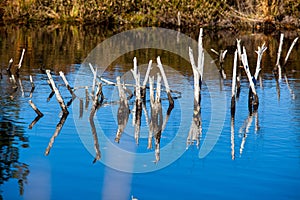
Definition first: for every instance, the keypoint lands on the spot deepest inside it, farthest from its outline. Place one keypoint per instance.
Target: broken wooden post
(97, 102)
(138, 101)
(260, 53)
(197, 80)
(8, 69)
(57, 93)
(143, 89)
(67, 84)
(233, 90)
(171, 101)
(200, 65)
(277, 68)
(20, 63)
(239, 69)
(252, 100)
(94, 71)
(221, 55)
(289, 52)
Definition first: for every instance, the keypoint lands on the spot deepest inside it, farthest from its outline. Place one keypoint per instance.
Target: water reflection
(55, 53)
(10, 166)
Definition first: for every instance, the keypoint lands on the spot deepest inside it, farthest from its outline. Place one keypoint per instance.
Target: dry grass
(152, 12)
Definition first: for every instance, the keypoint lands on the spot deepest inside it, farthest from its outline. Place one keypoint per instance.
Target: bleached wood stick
(233, 90)
(57, 93)
(67, 84)
(214, 51)
(260, 53)
(290, 50)
(279, 49)
(170, 98)
(36, 110)
(200, 53)
(147, 73)
(160, 66)
(94, 82)
(9, 66)
(246, 67)
(21, 59)
(136, 76)
(196, 78)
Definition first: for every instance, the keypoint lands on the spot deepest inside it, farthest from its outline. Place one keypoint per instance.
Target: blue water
(261, 160)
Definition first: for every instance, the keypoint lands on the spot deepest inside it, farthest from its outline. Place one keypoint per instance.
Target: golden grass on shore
(153, 12)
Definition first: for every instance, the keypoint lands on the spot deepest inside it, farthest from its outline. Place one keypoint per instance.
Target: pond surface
(256, 157)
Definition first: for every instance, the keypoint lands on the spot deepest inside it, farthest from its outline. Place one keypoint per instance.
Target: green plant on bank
(152, 12)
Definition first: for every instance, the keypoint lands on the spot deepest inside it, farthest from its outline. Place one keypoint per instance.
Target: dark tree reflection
(10, 167)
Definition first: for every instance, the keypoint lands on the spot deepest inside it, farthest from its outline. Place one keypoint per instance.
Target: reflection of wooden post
(57, 131)
(94, 132)
(239, 67)
(32, 86)
(123, 111)
(233, 91)
(232, 139)
(36, 110)
(57, 93)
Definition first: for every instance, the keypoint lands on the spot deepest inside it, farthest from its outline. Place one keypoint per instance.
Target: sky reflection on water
(253, 162)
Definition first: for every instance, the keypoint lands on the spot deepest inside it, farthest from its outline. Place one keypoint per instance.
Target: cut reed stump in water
(239, 68)
(57, 93)
(197, 70)
(143, 89)
(277, 69)
(67, 84)
(160, 66)
(221, 59)
(20, 63)
(253, 97)
(8, 69)
(138, 101)
(233, 91)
